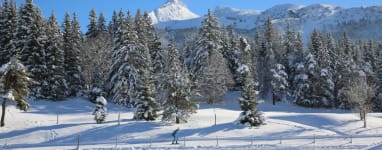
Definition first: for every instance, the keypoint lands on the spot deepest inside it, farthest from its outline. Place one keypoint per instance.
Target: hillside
(297, 127)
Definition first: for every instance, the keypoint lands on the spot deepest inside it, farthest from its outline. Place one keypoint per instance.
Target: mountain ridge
(304, 19)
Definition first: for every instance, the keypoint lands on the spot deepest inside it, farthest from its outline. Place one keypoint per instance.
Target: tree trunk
(3, 113)
(364, 118)
(361, 115)
(177, 121)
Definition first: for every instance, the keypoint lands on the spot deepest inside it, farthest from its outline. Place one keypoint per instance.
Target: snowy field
(287, 127)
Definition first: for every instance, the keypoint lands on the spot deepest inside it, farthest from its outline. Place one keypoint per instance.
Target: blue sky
(82, 7)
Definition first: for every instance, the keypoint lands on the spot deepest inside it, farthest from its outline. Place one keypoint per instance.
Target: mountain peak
(172, 10)
(173, 1)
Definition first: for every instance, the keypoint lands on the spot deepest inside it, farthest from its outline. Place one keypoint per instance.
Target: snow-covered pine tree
(146, 104)
(180, 103)
(248, 104)
(56, 83)
(8, 26)
(344, 71)
(101, 26)
(31, 41)
(331, 47)
(232, 54)
(72, 50)
(141, 29)
(96, 53)
(14, 85)
(209, 67)
(289, 60)
(246, 57)
(304, 89)
(93, 26)
(118, 84)
(100, 110)
(379, 74)
(301, 84)
(267, 54)
(279, 83)
(113, 25)
(324, 85)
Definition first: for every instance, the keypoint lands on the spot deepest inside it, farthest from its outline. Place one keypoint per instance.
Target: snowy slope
(298, 128)
(170, 11)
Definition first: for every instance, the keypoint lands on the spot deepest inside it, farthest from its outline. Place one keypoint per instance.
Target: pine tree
(248, 104)
(122, 77)
(290, 52)
(14, 85)
(146, 104)
(8, 26)
(93, 26)
(72, 48)
(301, 84)
(209, 67)
(324, 85)
(247, 57)
(378, 76)
(96, 52)
(100, 111)
(344, 71)
(279, 83)
(304, 89)
(180, 103)
(56, 83)
(113, 25)
(31, 42)
(379, 68)
(101, 26)
(232, 54)
(268, 56)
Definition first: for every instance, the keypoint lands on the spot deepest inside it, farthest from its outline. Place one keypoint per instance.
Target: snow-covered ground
(287, 127)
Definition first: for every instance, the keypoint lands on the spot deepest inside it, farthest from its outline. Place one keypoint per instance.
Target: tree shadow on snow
(40, 128)
(320, 122)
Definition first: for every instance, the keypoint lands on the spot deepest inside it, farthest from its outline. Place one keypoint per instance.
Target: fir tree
(180, 103)
(248, 104)
(268, 57)
(279, 83)
(324, 85)
(8, 26)
(344, 71)
(122, 77)
(31, 42)
(56, 83)
(14, 85)
(72, 48)
(232, 54)
(100, 111)
(209, 67)
(93, 26)
(301, 84)
(146, 105)
(101, 26)
(113, 25)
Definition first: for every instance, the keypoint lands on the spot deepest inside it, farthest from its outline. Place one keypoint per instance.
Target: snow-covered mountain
(301, 18)
(172, 10)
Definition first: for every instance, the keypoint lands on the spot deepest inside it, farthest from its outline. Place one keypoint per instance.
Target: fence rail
(122, 141)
